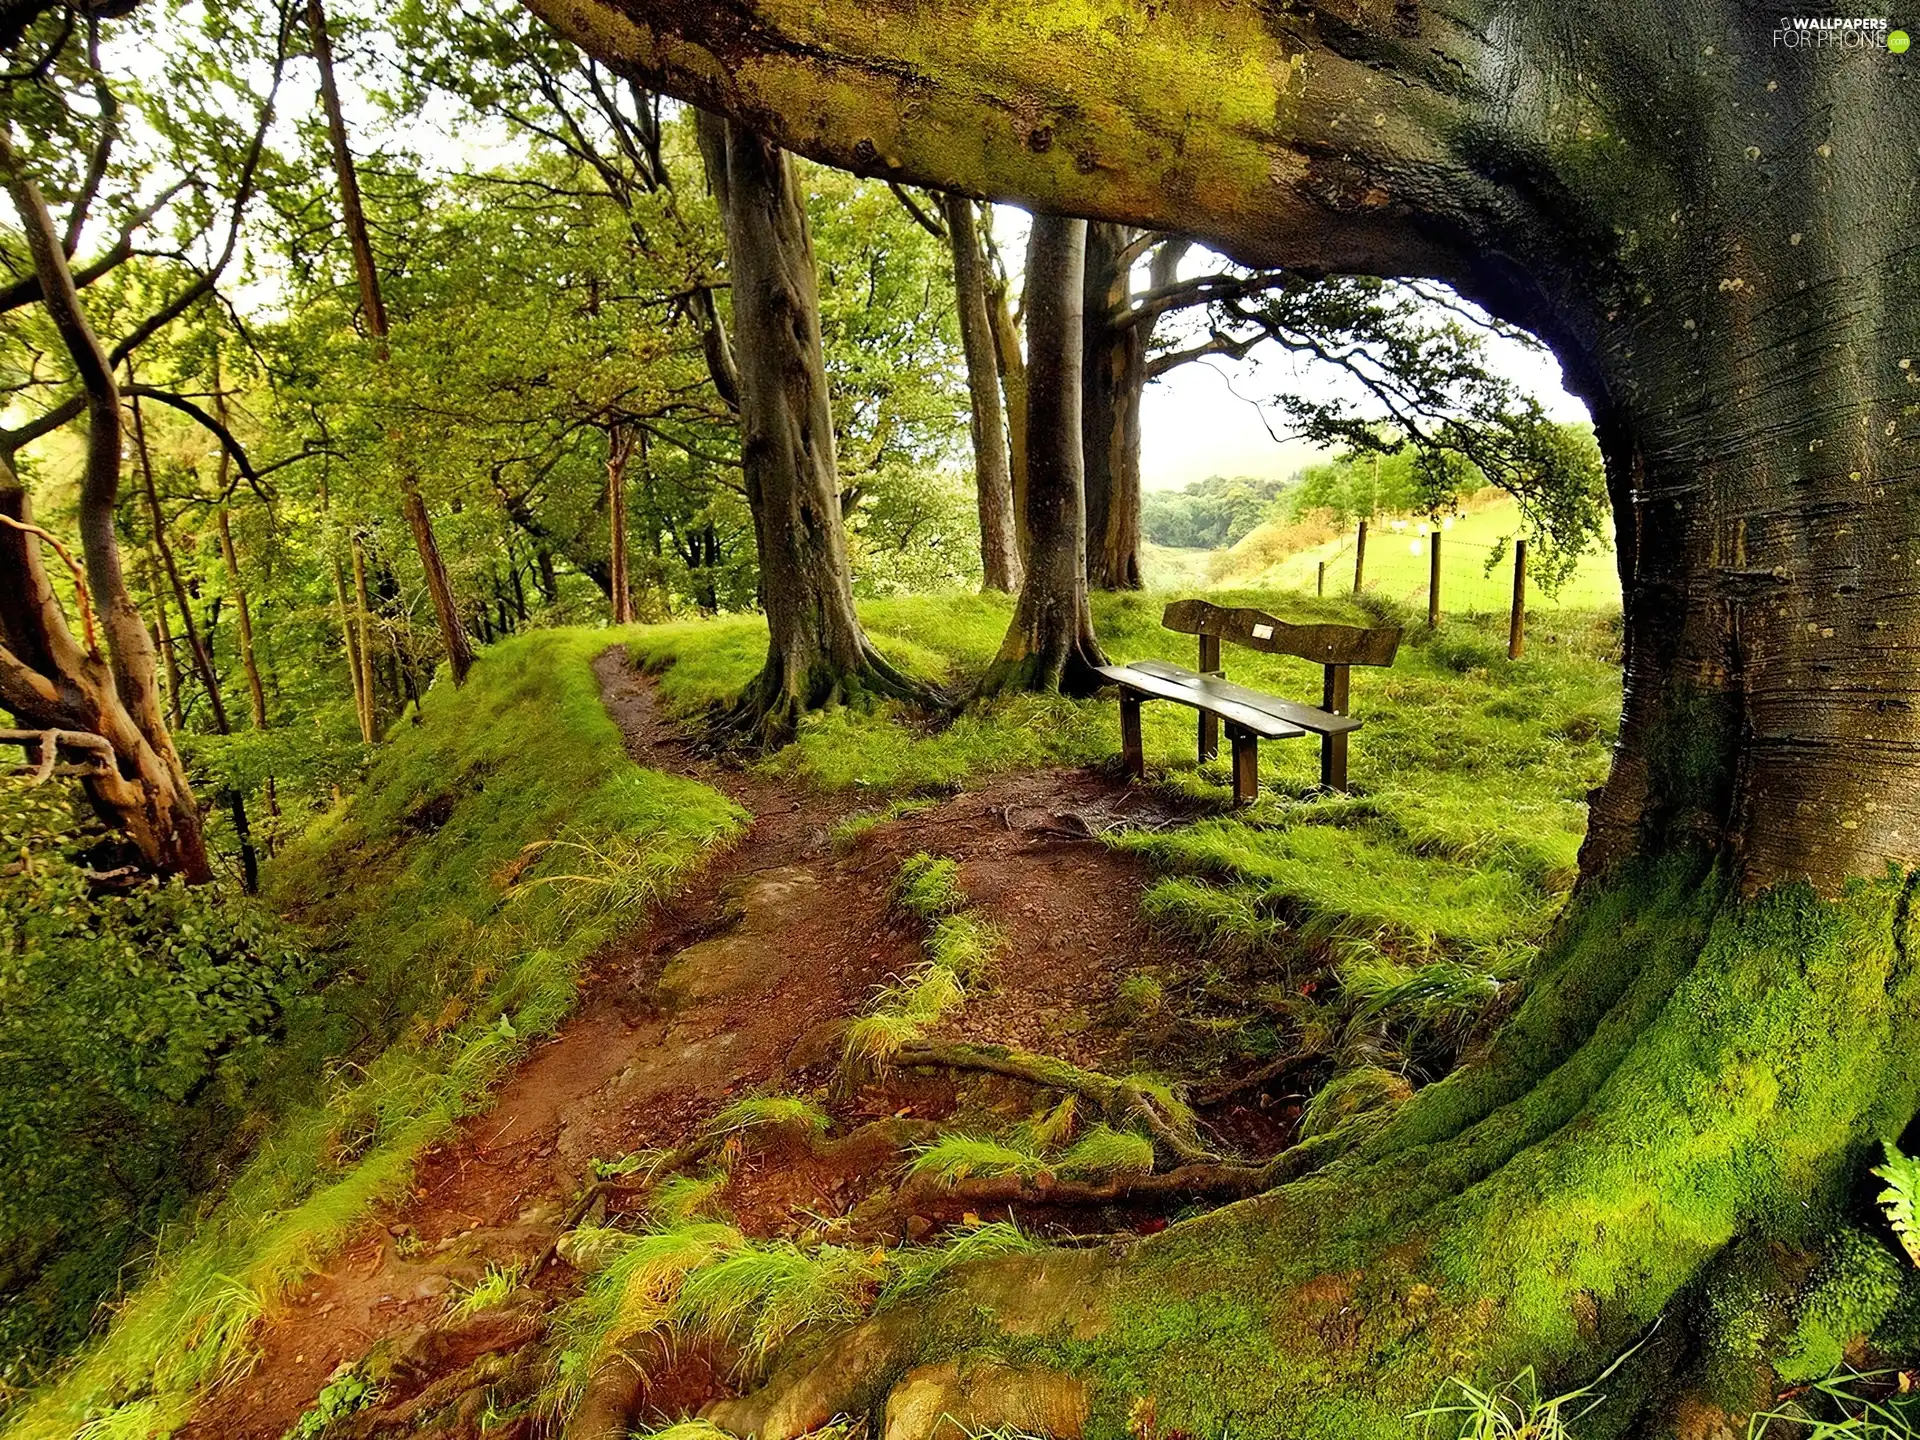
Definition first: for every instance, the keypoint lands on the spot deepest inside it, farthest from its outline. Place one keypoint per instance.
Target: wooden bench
(1251, 715)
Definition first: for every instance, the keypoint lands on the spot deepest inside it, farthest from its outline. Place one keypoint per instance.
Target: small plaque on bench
(1263, 632)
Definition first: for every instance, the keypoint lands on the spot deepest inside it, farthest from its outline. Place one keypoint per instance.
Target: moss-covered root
(1155, 1105)
(1732, 1084)
(911, 1364)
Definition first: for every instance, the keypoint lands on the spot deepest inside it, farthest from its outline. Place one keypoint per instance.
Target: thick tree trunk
(1050, 644)
(1113, 380)
(992, 472)
(47, 680)
(817, 653)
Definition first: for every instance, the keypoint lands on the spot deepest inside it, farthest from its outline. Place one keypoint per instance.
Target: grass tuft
(758, 1296)
(921, 1267)
(1367, 1090)
(928, 886)
(953, 1158)
(1104, 1152)
(492, 1290)
(763, 1112)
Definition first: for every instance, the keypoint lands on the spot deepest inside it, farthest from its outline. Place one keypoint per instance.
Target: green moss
(1852, 1292)
(1689, 1070)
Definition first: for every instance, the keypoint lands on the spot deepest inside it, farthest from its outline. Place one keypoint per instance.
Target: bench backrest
(1331, 645)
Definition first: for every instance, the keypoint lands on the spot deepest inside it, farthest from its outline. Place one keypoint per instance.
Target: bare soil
(739, 983)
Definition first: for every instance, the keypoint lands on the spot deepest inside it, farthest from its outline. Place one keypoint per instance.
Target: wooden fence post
(1320, 583)
(1359, 557)
(1517, 626)
(1433, 581)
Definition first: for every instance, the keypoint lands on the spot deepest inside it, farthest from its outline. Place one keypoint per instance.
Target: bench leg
(1333, 761)
(1209, 737)
(1132, 751)
(1246, 765)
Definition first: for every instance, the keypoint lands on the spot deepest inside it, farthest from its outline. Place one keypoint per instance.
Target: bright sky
(1197, 421)
(1215, 417)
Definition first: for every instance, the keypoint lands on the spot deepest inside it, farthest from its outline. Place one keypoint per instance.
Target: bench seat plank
(1308, 717)
(1234, 712)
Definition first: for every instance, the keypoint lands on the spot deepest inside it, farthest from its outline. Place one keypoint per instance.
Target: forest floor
(741, 984)
(620, 1049)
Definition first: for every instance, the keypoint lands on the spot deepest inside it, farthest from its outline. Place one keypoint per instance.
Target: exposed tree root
(1197, 1181)
(767, 713)
(1286, 1067)
(1119, 1099)
(954, 1398)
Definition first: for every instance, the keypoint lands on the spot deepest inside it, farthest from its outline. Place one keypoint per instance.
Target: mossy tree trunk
(1051, 645)
(94, 697)
(1714, 232)
(817, 653)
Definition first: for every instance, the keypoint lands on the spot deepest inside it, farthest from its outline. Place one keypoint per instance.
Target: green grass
(929, 887)
(761, 1112)
(455, 935)
(953, 1158)
(1396, 572)
(492, 1290)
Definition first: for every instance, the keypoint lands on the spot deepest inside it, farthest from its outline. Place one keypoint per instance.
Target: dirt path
(735, 984)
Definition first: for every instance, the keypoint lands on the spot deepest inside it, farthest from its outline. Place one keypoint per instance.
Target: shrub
(131, 1024)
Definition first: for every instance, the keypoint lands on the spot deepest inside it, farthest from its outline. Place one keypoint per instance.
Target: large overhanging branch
(1286, 137)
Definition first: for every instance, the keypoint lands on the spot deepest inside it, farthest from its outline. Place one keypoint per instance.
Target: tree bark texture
(1050, 645)
(817, 653)
(1710, 229)
(992, 467)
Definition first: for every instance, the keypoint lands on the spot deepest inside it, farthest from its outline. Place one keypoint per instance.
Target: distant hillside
(1288, 554)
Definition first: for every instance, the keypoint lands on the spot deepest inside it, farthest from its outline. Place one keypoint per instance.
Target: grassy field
(1470, 776)
(1397, 566)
